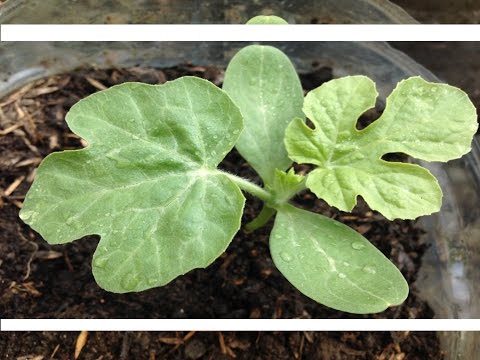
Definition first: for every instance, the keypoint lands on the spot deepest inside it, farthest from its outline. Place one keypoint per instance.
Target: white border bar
(12, 32)
(240, 325)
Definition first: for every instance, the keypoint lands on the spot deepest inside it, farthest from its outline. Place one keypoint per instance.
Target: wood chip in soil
(221, 346)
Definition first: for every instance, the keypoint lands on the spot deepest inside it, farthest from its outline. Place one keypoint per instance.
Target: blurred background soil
(442, 11)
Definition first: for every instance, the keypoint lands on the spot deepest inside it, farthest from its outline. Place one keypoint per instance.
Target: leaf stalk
(261, 219)
(251, 188)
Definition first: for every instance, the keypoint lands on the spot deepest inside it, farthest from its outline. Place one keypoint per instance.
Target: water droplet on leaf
(286, 256)
(100, 261)
(29, 215)
(114, 243)
(370, 269)
(358, 245)
(357, 157)
(129, 282)
(342, 275)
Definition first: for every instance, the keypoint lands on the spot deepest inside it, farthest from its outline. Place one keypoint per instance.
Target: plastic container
(450, 272)
(199, 12)
(443, 11)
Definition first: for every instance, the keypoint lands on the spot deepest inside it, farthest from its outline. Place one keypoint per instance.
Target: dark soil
(221, 346)
(38, 280)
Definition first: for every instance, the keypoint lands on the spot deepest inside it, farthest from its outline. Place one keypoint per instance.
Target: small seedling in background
(266, 20)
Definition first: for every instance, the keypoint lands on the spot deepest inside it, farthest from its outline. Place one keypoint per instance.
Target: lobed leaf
(262, 81)
(434, 122)
(147, 183)
(333, 264)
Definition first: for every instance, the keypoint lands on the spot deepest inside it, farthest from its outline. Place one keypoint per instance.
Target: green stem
(262, 218)
(251, 188)
(271, 201)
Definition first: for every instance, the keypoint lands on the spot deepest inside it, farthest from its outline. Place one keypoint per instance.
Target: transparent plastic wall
(198, 11)
(450, 272)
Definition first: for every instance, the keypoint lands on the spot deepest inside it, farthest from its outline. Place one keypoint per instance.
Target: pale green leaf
(147, 183)
(262, 81)
(266, 20)
(434, 122)
(333, 264)
(286, 180)
(285, 184)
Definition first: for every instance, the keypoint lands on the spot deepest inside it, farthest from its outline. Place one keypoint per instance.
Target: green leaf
(266, 20)
(147, 183)
(286, 184)
(285, 180)
(434, 122)
(262, 81)
(333, 264)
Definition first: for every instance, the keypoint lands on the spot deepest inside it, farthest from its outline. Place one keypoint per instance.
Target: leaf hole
(368, 117)
(395, 157)
(310, 124)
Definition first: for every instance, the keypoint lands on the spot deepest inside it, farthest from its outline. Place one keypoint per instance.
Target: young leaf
(266, 20)
(147, 183)
(286, 184)
(262, 81)
(333, 264)
(434, 122)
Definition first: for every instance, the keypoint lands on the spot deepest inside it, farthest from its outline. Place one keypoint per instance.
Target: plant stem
(262, 218)
(250, 187)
